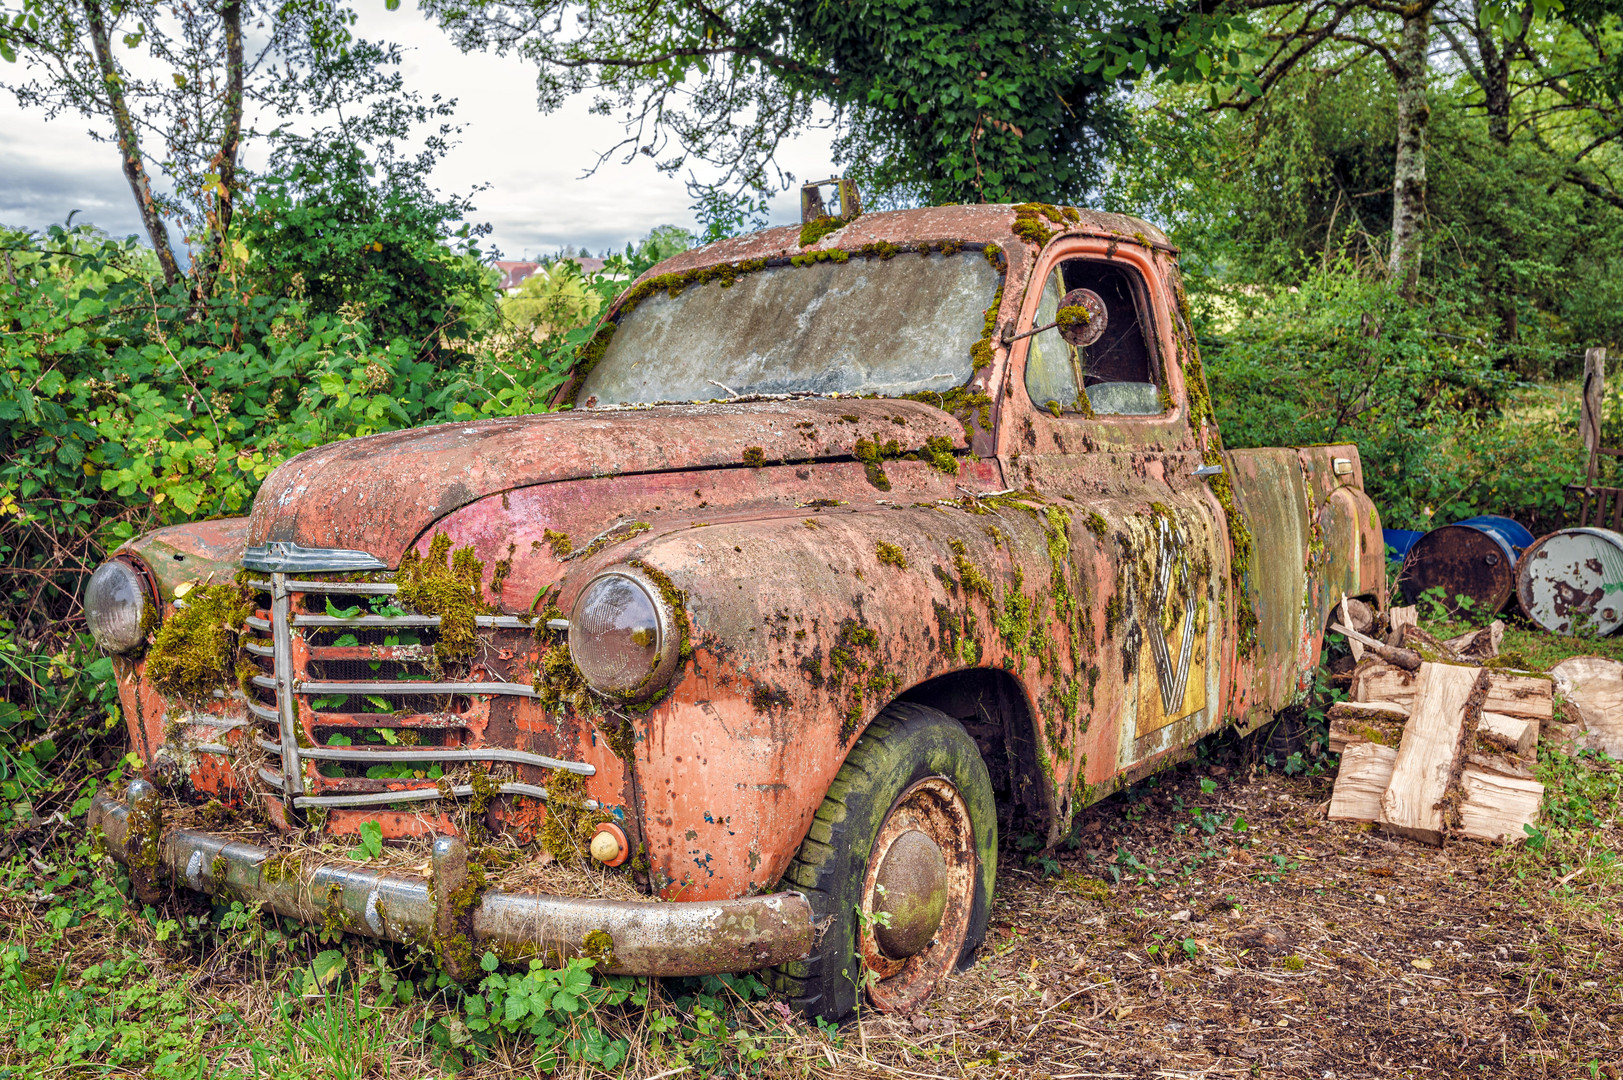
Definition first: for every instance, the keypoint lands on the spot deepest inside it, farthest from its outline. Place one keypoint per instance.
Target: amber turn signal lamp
(609, 845)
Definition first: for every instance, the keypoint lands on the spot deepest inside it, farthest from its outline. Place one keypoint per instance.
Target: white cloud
(538, 198)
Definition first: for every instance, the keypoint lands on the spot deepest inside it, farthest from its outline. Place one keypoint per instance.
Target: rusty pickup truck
(845, 541)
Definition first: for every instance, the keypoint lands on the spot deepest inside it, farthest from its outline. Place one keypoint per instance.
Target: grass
(1208, 920)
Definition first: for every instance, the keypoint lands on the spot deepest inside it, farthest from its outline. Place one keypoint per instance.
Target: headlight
(621, 636)
(114, 602)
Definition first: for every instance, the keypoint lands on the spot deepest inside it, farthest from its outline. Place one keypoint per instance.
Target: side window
(1113, 362)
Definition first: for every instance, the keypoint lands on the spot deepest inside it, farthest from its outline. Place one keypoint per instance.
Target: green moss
(891, 555)
(588, 356)
(566, 832)
(994, 255)
(143, 839)
(193, 653)
(558, 683)
(447, 584)
(1072, 314)
(617, 535)
(872, 454)
(1057, 532)
(677, 601)
(1097, 525)
(1028, 223)
(280, 868)
(754, 457)
(560, 543)
(938, 451)
(970, 407)
(817, 228)
(499, 572)
(970, 576)
(455, 950)
(879, 249)
(813, 667)
(765, 697)
(599, 945)
(620, 737)
(981, 352)
(811, 257)
(218, 867)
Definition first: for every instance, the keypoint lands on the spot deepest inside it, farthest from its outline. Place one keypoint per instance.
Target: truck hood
(380, 493)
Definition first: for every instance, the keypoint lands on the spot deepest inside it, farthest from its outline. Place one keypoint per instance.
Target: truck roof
(984, 223)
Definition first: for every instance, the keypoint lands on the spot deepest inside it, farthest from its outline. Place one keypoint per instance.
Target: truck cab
(846, 541)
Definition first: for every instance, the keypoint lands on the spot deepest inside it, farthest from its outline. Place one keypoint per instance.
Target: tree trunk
(225, 160)
(129, 144)
(1409, 180)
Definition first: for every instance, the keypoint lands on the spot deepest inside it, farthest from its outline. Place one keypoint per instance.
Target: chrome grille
(305, 673)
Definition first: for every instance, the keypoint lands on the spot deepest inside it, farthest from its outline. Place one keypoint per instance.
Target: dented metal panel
(1071, 582)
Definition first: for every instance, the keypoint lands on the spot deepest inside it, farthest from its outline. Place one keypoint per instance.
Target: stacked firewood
(1433, 744)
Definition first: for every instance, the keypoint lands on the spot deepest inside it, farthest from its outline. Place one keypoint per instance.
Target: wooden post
(1589, 415)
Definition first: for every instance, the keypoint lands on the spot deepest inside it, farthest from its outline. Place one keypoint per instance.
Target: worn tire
(905, 747)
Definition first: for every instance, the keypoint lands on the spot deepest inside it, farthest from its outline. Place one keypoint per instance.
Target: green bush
(1418, 387)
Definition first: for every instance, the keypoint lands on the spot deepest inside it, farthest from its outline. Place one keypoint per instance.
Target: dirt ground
(1298, 947)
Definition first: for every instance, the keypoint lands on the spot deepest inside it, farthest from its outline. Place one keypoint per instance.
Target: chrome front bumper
(629, 938)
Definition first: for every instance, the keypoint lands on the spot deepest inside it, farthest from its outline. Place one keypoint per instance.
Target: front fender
(803, 629)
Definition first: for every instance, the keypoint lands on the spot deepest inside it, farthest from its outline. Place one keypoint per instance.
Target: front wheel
(898, 866)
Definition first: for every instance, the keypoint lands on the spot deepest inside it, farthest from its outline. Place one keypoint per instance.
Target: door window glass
(1118, 370)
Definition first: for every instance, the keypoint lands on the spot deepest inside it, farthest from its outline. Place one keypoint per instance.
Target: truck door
(1098, 422)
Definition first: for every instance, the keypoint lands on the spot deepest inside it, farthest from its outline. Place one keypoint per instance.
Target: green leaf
(489, 961)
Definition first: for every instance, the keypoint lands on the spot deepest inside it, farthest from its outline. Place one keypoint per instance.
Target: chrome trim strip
(433, 753)
(378, 798)
(503, 622)
(262, 625)
(259, 650)
(500, 689)
(281, 556)
(274, 779)
(281, 607)
(263, 712)
(211, 748)
(376, 588)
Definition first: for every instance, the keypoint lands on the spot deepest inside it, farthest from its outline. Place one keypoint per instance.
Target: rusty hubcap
(912, 885)
(918, 894)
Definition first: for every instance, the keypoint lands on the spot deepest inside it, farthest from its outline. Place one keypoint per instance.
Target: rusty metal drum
(1572, 581)
(1475, 558)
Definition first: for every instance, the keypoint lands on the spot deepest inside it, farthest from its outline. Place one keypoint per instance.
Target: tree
(962, 101)
(169, 82)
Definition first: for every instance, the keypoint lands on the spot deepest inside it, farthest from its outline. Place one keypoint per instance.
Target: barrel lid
(1572, 580)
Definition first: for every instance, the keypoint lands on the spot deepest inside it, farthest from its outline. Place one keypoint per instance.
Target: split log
(1403, 658)
(1531, 696)
(1447, 701)
(1396, 619)
(1365, 773)
(1497, 803)
(1593, 687)
(1517, 734)
(1376, 680)
(1480, 644)
(1362, 616)
(1426, 645)
(1355, 722)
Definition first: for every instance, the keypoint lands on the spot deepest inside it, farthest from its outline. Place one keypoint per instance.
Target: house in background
(514, 273)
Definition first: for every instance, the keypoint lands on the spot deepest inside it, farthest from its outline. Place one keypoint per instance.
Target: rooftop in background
(514, 273)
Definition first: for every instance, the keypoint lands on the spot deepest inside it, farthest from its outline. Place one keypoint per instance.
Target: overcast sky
(537, 199)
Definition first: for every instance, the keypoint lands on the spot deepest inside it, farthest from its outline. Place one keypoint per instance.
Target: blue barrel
(1399, 541)
(1474, 559)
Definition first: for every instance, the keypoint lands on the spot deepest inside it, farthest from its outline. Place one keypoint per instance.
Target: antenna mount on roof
(813, 207)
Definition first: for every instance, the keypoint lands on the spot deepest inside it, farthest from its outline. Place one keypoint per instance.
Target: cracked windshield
(868, 326)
